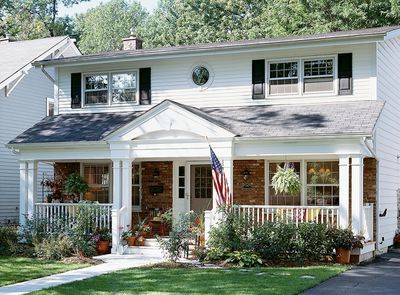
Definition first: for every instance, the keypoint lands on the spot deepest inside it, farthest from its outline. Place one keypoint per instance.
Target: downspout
(369, 148)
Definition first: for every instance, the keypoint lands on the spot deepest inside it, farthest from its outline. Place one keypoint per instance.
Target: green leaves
(76, 185)
(286, 181)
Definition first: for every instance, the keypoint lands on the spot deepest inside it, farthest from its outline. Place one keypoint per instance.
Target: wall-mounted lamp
(156, 173)
(246, 174)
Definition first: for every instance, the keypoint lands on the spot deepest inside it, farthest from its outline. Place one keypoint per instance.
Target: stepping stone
(307, 277)
(245, 270)
(394, 260)
(260, 274)
(282, 274)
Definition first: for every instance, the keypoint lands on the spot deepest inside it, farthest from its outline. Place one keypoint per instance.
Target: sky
(84, 6)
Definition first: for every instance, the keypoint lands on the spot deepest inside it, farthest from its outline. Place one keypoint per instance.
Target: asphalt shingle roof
(14, 56)
(347, 118)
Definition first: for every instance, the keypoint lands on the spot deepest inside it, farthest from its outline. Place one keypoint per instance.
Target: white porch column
(117, 184)
(357, 183)
(228, 169)
(344, 191)
(127, 190)
(28, 191)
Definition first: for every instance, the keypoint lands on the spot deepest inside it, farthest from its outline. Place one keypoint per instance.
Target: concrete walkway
(112, 263)
(379, 277)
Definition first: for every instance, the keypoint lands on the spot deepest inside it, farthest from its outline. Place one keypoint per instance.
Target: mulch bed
(80, 259)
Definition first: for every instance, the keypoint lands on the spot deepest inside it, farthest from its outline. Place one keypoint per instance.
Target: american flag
(224, 196)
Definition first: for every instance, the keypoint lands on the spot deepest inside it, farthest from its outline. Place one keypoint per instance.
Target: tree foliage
(31, 19)
(182, 22)
(103, 28)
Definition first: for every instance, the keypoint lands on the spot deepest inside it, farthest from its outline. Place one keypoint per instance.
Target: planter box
(367, 253)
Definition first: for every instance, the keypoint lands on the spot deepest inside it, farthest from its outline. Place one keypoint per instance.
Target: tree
(103, 28)
(31, 19)
(181, 22)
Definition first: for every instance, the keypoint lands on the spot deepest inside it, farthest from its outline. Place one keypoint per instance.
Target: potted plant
(396, 240)
(143, 228)
(102, 237)
(130, 236)
(140, 241)
(157, 217)
(167, 219)
(343, 240)
(76, 185)
(286, 181)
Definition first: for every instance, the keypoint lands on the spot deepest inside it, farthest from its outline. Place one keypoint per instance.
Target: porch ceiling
(263, 121)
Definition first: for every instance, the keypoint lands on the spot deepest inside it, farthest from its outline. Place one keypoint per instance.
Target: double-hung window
(283, 78)
(318, 75)
(110, 88)
(124, 87)
(96, 89)
(97, 177)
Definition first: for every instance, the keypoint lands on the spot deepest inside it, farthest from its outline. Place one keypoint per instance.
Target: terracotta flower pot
(140, 242)
(131, 241)
(343, 255)
(103, 247)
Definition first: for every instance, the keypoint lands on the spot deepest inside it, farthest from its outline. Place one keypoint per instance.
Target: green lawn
(19, 269)
(201, 281)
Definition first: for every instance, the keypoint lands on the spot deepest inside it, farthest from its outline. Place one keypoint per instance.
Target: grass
(202, 281)
(18, 269)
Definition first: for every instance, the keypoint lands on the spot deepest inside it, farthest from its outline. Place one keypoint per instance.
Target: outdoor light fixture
(246, 174)
(156, 173)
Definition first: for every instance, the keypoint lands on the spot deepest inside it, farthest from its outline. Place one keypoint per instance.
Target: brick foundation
(252, 190)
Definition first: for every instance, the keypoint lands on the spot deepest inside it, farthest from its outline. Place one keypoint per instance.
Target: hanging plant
(286, 181)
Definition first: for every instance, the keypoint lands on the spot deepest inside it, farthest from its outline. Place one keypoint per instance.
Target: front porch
(129, 190)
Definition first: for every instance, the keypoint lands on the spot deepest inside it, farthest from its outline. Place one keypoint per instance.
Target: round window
(200, 75)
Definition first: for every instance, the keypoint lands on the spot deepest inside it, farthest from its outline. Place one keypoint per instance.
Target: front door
(200, 188)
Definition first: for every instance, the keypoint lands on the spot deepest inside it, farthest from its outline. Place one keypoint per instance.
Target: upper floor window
(283, 78)
(302, 76)
(50, 107)
(318, 75)
(108, 88)
(124, 87)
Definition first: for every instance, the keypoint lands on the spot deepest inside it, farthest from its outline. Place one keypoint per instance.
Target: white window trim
(138, 208)
(99, 162)
(300, 77)
(109, 88)
(303, 177)
(334, 76)
(50, 100)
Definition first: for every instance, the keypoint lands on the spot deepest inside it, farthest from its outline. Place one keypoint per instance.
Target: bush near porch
(239, 240)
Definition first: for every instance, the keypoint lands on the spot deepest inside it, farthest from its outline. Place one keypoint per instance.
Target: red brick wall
(252, 190)
(370, 185)
(162, 200)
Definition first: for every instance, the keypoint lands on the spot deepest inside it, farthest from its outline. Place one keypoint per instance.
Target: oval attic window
(200, 75)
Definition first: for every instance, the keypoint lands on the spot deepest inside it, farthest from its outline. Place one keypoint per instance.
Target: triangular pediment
(170, 120)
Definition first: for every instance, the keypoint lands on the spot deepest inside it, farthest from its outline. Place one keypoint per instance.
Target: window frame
(268, 78)
(110, 175)
(300, 76)
(137, 208)
(334, 75)
(109, 88)
(303, 177)
(49, 101)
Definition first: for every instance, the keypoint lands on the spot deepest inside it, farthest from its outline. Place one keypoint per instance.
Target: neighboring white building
(26, 97)
(135, 124)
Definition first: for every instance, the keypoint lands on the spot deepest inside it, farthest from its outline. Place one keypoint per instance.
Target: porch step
(148, 251)
(153, 242)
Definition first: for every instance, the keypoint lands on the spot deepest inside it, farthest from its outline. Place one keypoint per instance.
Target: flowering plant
(129, 232)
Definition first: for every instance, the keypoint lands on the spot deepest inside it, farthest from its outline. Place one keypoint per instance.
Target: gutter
(369, 148)
(305, 137)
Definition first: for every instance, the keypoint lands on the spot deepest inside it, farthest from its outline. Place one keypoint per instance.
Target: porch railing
(290, 214)
(64, 215)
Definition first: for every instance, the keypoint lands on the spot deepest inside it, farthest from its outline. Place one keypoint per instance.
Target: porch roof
(262, 121)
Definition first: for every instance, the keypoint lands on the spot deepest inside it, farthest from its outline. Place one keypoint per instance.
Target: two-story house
(26, 96)
(137, 124)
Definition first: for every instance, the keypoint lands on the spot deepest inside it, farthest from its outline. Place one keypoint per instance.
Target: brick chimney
(8, 38)
(132, 43)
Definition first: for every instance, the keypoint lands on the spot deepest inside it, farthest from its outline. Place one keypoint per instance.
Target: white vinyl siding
(231, 85)
(388, 138)
(25, 106)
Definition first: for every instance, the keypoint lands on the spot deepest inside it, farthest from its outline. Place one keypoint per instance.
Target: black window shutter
(76, 90)
(258, 78)
(345, 73)
(145, 86)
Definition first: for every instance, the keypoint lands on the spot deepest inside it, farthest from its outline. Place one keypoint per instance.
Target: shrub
(53, 247)
(8, 238)
(215, 254)
(344, 238)
(178, 240)
(313, 241)
(231, 233)
(245, 258)
(275, 241)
